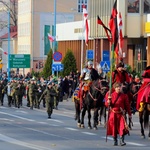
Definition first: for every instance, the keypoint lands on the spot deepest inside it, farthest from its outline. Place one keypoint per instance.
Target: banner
(47, 45)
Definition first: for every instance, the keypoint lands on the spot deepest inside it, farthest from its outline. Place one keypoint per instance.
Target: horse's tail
(146, 117)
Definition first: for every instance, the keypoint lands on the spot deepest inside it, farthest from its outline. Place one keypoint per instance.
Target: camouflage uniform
(49, 94)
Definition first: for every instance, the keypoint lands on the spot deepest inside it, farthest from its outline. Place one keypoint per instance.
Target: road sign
(90, 54)
(19, 60)
(106, 55)
(57, 67)
(57, 56)
(105, 65)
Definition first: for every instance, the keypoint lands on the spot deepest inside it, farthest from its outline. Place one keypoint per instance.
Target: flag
(4, 52)
(99, 21)
(86, 26)
(114, 26)
(51, 38)
(120, 36)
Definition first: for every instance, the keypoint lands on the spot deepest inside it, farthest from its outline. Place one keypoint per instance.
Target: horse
(93, 101)
(144, 118)
(103, 109)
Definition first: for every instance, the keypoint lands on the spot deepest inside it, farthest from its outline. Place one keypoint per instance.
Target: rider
(120, 75)
(143, 94)
(87, 76)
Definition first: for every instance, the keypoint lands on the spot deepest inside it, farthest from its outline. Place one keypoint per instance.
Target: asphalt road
(25, 129)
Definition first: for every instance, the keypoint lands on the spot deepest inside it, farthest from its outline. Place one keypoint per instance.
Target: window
(80, 3)
(133, 6)
(146, 6)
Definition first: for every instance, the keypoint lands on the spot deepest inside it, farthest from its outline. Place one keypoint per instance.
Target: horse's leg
(78, 115)
(83, 111)
(95, 118)
(100, 115)
(141, 123)
(149, 132)
(89, 118)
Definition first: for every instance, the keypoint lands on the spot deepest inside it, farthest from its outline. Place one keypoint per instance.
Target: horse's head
(104, 87)
(125, 88)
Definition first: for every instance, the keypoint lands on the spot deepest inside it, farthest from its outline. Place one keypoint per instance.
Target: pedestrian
(118, 104)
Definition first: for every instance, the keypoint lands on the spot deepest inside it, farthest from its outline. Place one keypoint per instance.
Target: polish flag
(86, 26)
(51, 38)
(4, 51)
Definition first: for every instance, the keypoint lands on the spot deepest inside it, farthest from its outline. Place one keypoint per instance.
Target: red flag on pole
(4, 51)
(51, 38)
(86, 26)
(114, 26)
(99, 21)
(120, 36)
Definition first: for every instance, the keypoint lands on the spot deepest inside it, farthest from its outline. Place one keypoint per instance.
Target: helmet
(90, 63)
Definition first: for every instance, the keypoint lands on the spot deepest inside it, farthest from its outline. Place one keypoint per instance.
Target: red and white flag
(86, 26)
(120, 40)
(4, 51)
(51, 38)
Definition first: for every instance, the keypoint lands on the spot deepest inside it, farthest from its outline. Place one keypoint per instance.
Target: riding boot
(122, 143)
(115, 141)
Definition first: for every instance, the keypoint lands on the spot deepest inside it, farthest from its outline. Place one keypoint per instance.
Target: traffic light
(40, 64)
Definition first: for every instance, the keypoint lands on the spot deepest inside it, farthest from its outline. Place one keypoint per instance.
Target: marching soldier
(43, 89)
(32, 89)
(1, 93)
(7, 90)
(57, 97)
(49, 94)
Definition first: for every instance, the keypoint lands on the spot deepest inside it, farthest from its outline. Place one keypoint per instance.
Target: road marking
(24, 144)
(6, 119)
(56, 120)
(88, 133)
(130, 143)
(21, 111)
(42, 122)
(72, 129)
(17, 117)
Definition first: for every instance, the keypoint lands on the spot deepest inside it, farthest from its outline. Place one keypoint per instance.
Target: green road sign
(19, 60)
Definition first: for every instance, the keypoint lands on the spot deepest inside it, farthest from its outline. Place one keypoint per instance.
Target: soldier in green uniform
(49, 94)
(38, 94)
(32, 89)
(1, 93)
(57, 97)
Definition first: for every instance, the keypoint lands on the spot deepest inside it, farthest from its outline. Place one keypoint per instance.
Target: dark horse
(93, 101)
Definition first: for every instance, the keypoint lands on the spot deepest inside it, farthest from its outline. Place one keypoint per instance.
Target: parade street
(25, 129)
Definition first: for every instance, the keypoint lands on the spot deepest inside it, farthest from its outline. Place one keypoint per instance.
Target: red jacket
(120, 77)
(144, 93)
(116, 123)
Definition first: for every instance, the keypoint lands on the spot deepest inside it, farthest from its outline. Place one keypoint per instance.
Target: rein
(94, 99)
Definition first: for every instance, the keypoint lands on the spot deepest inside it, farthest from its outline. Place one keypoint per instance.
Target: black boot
(115, 141)
(122, 143)
(49, 116)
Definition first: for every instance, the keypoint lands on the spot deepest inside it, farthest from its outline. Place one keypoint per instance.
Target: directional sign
(19, 61)
(90, 54)
(106, 55)
(57, 67)
(57, 56)
(105, 65)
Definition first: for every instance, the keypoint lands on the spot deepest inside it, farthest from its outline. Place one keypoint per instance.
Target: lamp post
(8, 45)
(54, 43)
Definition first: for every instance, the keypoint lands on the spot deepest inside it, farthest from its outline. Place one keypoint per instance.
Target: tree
(12, 7)
(47, 70)
(69, 62)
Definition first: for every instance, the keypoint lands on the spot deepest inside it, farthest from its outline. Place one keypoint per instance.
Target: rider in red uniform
(144, 94)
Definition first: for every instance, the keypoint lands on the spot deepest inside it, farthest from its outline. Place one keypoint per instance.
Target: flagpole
(82, 44)
(54, 43)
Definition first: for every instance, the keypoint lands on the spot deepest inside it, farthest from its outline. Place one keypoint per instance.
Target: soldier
(32, 89)
(43, 89)
(49, 94)
(57, 96)
(7, 90)
(38, 94)
(119, 104)
(143, 94)
(120, 75)
(87, 76)
(1, 93)
(18, 94)
(27, 93)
